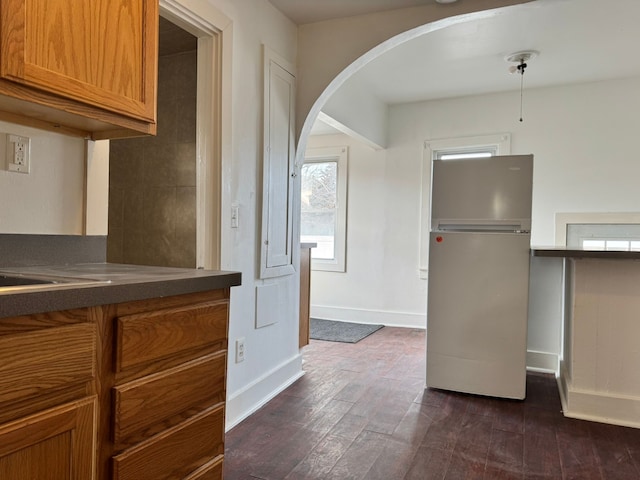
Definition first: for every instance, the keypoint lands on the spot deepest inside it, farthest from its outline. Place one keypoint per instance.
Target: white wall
(365, 114)
(97, 185)
(583, 138)
(50, 199)
(381, 283)
(272, 358)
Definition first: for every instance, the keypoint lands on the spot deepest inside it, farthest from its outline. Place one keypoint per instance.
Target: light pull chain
(521, 68)
(521, 94)
(520, 59)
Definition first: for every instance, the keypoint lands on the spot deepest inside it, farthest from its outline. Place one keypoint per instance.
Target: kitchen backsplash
(29, 250)
(152, 180)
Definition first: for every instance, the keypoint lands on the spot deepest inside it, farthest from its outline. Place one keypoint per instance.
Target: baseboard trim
(388, 318)
(563, 388)
(543, 362)
(253, 396)
(597, 407)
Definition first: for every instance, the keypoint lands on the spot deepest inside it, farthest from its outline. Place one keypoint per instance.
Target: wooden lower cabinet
(57, 444)
(305, 293)
(48, 405)
(167, 388)
(131, 391)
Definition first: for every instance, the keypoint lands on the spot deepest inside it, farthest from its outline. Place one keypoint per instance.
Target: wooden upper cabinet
(97, 53)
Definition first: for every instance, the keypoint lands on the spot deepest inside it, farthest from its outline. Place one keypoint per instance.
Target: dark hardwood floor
(361, 412)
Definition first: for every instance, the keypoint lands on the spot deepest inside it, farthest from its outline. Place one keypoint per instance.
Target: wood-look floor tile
(506, 451)
(503, 473)
(390, 411)
(329, 416)
(350, 426)
(510, 417)
(443, 433)
(321, 459)
(354, 391)
(428, 464)
(394, 461)
(474, 438)
(356, 414)
(462, 468)
(576, 451)
(541, 455)
(583, 472)
(414, 425)
(612, 451)
(359, 457)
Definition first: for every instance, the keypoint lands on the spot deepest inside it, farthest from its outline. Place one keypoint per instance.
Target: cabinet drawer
(43, 361)
(146, 337)
(210, 471)
(147, 405)
(174, 453)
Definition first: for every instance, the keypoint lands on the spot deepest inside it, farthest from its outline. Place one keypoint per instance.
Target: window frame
(341, 156)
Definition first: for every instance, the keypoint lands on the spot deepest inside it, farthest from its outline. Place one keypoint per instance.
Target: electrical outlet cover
(17, 153)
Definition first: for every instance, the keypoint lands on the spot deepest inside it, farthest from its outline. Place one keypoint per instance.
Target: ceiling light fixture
(521, 59)
(446, 1)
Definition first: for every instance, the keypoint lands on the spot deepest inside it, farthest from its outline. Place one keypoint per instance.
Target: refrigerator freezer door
(491, 190)
(477, 313)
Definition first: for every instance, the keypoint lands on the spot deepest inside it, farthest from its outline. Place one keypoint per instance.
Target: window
(323, 212)
(459, 153)
(612, 236)
(606, 244)
(451, 149)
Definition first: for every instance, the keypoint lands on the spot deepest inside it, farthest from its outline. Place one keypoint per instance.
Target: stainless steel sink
(14, 282)
(11, 281)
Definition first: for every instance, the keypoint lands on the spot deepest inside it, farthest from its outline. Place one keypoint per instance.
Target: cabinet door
(278, 167)
(99, 52)
(58, 444)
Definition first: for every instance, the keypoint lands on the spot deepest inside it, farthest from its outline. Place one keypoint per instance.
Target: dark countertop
(572, 252)
(106, 283)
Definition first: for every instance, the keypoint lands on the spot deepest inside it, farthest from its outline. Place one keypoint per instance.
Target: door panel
(477, 312)
(496, 189)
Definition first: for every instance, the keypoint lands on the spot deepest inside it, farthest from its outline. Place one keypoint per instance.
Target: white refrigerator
(478, 287)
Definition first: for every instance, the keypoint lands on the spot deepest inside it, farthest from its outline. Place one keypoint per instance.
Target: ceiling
(309, 11)
(578, 40)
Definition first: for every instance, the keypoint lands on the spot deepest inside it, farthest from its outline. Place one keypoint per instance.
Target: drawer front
(176, 452)
(42, 361)
(146, 337)
(146, 406)
(210, 471)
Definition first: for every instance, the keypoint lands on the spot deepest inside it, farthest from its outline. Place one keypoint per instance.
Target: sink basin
(12, 282)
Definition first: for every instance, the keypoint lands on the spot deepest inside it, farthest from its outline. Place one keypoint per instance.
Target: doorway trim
(213, 30)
